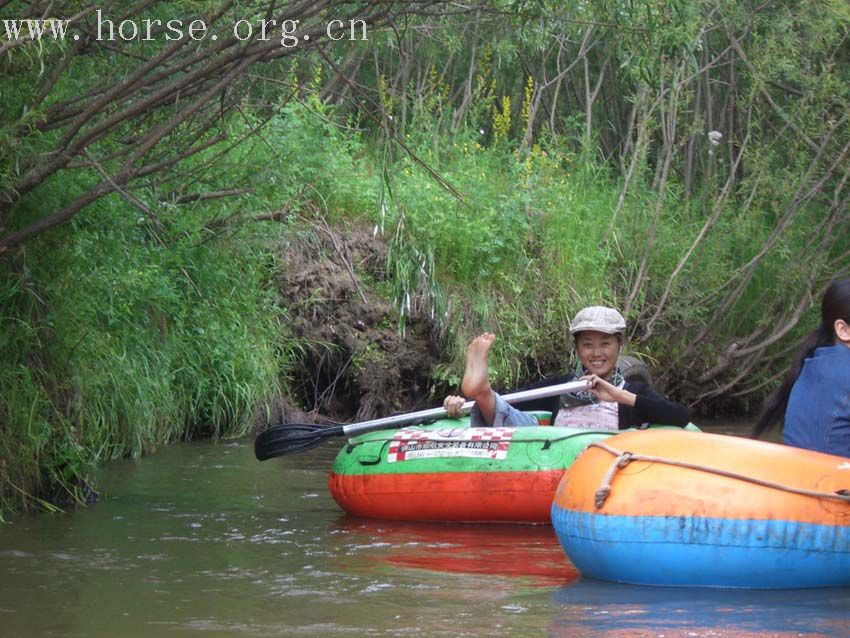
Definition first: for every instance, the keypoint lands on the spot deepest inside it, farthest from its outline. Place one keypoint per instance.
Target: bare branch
(201, 197)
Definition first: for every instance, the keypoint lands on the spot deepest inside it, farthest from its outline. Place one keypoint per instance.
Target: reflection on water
(593, 608)
(202, 540)
(531, 552)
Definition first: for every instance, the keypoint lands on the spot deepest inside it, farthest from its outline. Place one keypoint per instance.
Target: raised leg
(476, 376)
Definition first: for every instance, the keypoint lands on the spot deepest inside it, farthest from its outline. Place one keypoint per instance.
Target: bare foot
(476, 377)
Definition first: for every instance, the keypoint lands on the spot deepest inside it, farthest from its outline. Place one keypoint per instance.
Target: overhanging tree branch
(141, 101)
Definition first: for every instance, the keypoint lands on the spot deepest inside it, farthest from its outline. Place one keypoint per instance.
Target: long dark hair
(835, 306)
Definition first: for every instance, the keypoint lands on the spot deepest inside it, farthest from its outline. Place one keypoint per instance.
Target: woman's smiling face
(598, 352)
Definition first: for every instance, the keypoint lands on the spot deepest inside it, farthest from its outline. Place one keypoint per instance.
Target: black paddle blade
(292, 438)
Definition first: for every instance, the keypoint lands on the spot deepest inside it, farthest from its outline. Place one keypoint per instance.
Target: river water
(202, 540)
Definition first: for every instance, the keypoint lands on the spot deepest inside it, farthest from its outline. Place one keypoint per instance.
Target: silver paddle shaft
(436, 413)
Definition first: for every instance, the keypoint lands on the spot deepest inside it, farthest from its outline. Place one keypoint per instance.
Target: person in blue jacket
(814, 397)
(610, 403)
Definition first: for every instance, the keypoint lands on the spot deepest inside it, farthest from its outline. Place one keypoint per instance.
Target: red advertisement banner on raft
(481, 443)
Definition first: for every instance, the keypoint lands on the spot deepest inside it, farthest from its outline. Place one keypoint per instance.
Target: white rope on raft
(624, 458)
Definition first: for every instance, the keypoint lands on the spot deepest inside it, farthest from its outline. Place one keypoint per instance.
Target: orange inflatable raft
(680, 508)
(447, 471)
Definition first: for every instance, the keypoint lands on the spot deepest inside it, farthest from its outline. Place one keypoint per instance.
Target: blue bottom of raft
(694, 551)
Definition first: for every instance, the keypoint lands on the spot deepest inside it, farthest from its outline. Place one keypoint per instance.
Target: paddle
(292, 438)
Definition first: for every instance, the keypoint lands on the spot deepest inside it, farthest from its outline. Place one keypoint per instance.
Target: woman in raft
(610, 403)
(814, 397)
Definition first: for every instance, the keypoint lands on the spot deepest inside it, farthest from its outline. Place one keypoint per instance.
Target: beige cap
(599, 318)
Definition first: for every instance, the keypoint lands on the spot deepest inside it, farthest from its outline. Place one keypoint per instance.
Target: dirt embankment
(355, 364)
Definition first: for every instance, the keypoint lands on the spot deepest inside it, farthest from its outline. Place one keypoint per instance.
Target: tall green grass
(121, 333)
